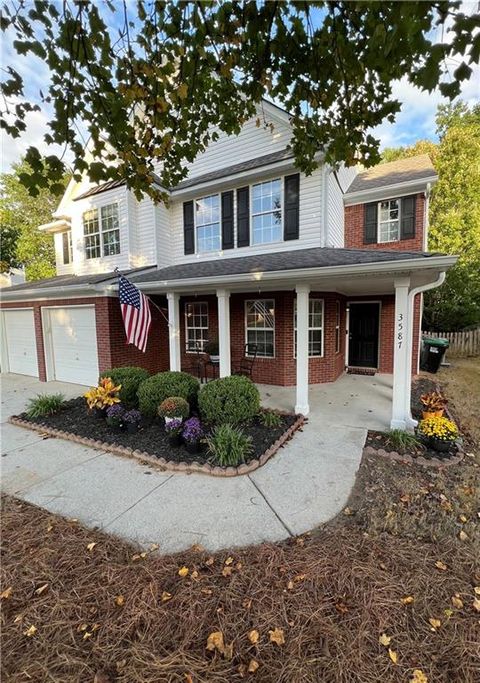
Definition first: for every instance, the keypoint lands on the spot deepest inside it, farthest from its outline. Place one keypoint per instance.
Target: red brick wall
(354, 219)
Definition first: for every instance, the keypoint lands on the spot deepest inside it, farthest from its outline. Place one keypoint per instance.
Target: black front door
(363, 335)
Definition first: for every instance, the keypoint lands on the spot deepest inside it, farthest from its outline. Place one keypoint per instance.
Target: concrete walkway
(305, 484)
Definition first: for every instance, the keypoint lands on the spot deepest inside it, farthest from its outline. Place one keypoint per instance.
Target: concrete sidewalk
(305, 484)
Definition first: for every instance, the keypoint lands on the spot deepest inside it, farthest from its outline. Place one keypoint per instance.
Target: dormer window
(207, 221)
(267, 212)
(389, 221)
(101, 231)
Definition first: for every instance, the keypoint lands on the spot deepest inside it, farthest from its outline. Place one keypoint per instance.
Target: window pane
(109, 215)
(90, 222)
(315, 327)
(208, 238)
(92, 246)
(267, 212)
(196, 324)
(260, 323)
(111, 243)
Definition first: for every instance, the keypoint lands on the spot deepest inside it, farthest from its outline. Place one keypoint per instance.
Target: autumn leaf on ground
(120, 600)
(228, 561)
(227, 571)
(348, 512)
(4, 595)
(393, 655)
(166, 596)
(441, 565)
(247, 603)
(276, 636)
(139, 556)
(418, 677)
(456, 601)
(434, 623)
(30, 631)
(463, 519)
(194, 574)
(209, 561)
(385, 640)
(463, 536)
(215, 641)
(41, 589)
(290, 585)
(183, 572)
(188, 678)
(476, 604)
(197, 548)
(407, 600)
(476, 590)
(91, 546)
(253, 636)
(253, 666)
(154, 547)
(49, 528)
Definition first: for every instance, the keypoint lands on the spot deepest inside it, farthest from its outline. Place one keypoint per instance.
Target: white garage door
(21, 350)
(73, 338)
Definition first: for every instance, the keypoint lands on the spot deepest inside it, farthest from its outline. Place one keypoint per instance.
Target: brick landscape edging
(168, 465)
(408, 459)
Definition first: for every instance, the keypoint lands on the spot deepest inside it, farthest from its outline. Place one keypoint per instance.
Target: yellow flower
(439, 428)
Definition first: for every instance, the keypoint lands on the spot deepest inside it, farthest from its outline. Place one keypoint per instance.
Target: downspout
(408, 380)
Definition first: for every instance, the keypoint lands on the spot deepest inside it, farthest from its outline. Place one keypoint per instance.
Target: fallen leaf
(4, 595)
(206, 591)
(441, 565)
(183, 572)
(463, 536)
(253, 666)
(476, 604)
(393, 655)
(434, 623)
(228, 651)
(253, 636)
(82, 627)
(405, 498)
(476, 590)
(448, 612)
(300, 541)
(215, 641)
(30, 631)
(290, 585)
(407, 600)
(197, 548)
(238, 566)
(247, 603)
(300, 577)
(41, 589)
(18, 618)
(228, 561)
(90, 546)
(341, 607)
(120, 600)
(276, 636)
(194, 574)
(385, 640)
(87, 635)
(188, 678)
(456, 601)
(348, 512)
(463, 519)
(166, 596)
(49, 528)
(227, 571)
(418, 677)
(154, 546)
(209, 561)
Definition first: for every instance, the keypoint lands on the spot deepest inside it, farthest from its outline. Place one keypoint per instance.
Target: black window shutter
(370, 223)
(243, 217)
(292, 207)
(407, 217)
(227, 220)
(188, 229)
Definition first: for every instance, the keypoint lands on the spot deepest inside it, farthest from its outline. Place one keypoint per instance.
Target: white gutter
(436, 262)
(66, 292)
(411, 301)
(395, 189)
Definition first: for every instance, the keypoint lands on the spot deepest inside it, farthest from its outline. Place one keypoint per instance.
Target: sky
(415, 121)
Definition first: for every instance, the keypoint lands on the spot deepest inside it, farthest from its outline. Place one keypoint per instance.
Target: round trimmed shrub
(154, 390)
(229, 400)
(130, 377)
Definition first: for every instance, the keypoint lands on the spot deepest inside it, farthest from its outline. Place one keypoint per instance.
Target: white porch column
(174, 330)
(302, 406)
(223, 300)
(402, 353)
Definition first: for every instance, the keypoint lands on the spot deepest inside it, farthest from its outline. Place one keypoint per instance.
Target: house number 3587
(400, 330)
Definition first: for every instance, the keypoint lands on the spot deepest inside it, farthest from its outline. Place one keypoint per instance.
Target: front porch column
(223, 299)
(174, 330)
(402, 353)
(301, 405)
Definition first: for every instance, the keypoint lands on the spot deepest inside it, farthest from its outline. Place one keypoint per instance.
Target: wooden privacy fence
(462, 344)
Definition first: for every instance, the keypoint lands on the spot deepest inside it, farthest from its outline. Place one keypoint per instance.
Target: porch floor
(351, 401)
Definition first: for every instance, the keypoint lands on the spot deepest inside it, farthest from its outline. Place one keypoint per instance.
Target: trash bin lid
(437, 341)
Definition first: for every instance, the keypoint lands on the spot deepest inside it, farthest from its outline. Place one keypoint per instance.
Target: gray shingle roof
(401, 171)
(70, 280)
(318, 257)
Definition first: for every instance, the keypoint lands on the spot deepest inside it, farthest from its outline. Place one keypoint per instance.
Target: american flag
(135, 312)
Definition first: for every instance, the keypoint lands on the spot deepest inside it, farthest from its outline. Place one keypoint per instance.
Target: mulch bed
(151, 437)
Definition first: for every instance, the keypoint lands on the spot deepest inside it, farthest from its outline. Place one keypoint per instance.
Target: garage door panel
(20, 341)
(74, 344)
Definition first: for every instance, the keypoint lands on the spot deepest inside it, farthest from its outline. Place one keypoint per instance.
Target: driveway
(305, 484)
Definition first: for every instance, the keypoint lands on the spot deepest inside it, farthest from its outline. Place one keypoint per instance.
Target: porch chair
(196, 365)
(245, 367)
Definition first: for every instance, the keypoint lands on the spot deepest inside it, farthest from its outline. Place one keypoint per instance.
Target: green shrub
(44, 404)
(174, 406)
(229, 400)
(270, 419)
(130, 377)
(229, 445)
(157, 388)
(401, 440)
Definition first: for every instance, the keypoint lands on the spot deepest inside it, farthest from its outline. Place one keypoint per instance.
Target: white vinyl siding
(315, 327)
(196, 326)
(337, 185)
(260, 326)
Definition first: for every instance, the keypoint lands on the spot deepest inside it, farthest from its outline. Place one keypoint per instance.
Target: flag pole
(118, 272)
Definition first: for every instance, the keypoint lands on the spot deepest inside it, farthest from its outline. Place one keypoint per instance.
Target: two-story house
(314, 275)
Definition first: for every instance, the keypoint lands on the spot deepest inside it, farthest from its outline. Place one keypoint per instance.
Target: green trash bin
(433, 350)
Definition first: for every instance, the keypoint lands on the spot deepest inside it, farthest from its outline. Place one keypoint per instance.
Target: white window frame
(101, 231)
(261, 213)
(196, 226)
(310, 329)
(267, 329)
(338, 324)
(380, 222)
(194, 327)
(70, 249)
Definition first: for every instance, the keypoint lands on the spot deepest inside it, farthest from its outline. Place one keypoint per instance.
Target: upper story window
(67, 247)
(196, 326)
(207, 221)
(315, 327)
(260, 326)
(389, 220)
(101, 231)
(267, 212)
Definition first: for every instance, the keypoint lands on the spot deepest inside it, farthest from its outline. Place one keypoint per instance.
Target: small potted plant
(102, 397)
(212, 349)
(439, 432)
(174, 432)
(174, 408)
(433, 404)
(131, 420)
(192, 433)
(115, 416)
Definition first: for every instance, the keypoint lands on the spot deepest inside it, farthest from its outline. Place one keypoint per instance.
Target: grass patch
(229, 446)
(44, 404)
(401, 440)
